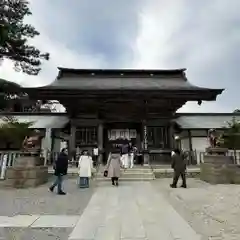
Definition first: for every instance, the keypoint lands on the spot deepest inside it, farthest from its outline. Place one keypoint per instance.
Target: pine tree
(14, 36)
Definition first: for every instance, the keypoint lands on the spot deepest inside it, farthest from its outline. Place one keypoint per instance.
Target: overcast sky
(202, 36)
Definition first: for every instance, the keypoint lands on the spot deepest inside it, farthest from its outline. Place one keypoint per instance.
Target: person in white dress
(125, 155)
(85, 166)
(131, 155)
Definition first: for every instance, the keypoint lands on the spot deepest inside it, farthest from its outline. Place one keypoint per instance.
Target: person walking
(179, 166)
(95, 154)
(113, 166)
(125, 155)
(60, 167)
(131, 155)
(85, 169)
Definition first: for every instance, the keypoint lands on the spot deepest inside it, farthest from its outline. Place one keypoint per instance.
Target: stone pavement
(131, 211)
(134, 210)
(212, 210)
(37, 201)
(56, 215)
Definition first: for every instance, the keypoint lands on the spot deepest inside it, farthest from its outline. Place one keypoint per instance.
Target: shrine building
(105, 106)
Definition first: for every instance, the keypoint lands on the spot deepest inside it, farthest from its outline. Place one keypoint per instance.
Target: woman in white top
(85, 169)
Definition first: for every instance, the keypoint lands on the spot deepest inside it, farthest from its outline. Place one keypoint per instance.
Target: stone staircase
(137, 173)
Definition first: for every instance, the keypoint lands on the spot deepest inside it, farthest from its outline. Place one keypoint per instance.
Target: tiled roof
(126, 83)
(162, 83)
(204, 121)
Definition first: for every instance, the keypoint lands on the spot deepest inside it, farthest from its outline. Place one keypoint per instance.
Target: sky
(202, 36)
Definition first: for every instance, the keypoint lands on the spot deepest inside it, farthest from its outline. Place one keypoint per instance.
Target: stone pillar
(100, 142)
(46, 145)
(145, 144)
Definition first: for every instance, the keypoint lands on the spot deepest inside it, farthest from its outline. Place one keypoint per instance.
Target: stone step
(169, 174)
(131, 175)
(126, 179)
(132, 170)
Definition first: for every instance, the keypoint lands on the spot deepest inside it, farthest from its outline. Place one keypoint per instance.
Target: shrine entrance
(108, 105)
(116, 134)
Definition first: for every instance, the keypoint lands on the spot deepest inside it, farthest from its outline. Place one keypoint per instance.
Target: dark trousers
(84, 182)
(114, 180)
(140, 159)
(95, 159)
(176, 176)
(58, 183)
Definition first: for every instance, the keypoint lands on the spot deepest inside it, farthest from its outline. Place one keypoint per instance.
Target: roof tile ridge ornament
(184, 75)
(59, 75)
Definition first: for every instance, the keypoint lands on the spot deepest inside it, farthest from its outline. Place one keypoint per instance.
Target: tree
(231, 135)
(8, 91)
(14, 35)
(13, 132)
(12, 99)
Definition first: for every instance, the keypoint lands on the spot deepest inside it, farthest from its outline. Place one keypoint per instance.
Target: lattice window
(86, 136)
(158, 137)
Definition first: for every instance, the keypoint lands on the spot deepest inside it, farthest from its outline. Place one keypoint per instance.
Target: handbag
(105, 174)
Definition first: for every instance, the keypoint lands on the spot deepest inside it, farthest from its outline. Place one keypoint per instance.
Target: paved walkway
(39, 221)
(40, 201)
(132, 211)
(212, 210)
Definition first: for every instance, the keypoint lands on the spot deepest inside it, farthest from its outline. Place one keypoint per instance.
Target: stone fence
(230, 153)
(7, 159)
(198, 156)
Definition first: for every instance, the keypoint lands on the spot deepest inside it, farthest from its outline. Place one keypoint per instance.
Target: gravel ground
(34, 234)
(212, 210)
(40, 201)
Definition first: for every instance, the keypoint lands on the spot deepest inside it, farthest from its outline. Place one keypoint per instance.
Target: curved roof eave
(6, 85)
(124, 70)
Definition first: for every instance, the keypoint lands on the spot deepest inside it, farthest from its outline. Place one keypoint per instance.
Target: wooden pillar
(191, 156)
(146, 156)
(100, 142)
(72, 141)
(171, 136)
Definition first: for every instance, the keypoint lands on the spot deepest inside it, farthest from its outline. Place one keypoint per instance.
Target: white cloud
(60, 55)
(159, 19)
(202, 36)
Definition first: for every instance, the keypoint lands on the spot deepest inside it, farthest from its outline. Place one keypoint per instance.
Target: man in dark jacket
(179, 166)
(60, 167)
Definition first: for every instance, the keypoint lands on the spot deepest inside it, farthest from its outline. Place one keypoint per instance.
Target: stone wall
(28, 171)
(220, 174)
(219, 169)
(26, 177)
(168, 173)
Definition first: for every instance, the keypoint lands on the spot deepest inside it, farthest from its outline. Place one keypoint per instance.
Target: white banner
(114, 134)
